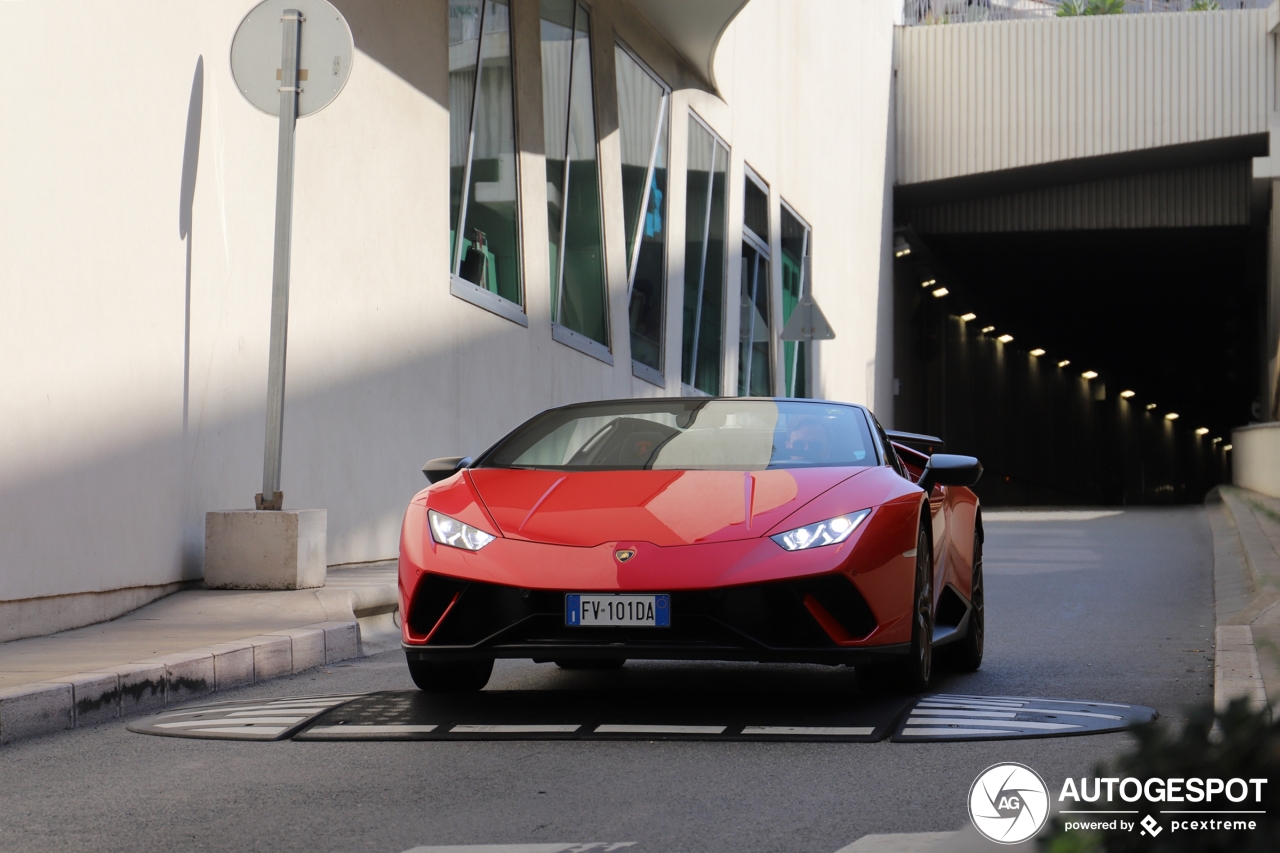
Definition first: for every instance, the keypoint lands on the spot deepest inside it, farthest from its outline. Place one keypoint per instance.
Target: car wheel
(968, 652)
(589, 663)
(913, 674)
(463, 676)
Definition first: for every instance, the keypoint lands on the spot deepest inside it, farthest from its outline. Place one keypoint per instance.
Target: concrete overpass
(1103, 187)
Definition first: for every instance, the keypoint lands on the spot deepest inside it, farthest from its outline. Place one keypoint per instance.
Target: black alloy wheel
(462, 676)
(591, 663)
(918, 670)
(968, 652)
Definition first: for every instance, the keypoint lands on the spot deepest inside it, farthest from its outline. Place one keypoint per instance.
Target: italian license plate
(589, 610)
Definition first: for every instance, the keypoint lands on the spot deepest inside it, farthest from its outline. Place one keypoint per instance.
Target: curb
(149, 685)
(1244, 564)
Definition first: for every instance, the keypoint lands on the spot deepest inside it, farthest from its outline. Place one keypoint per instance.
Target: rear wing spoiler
(914, 438)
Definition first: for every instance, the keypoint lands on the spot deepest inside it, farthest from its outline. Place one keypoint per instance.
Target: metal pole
(271, 496)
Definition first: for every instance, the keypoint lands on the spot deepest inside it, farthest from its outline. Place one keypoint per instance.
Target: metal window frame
(805, 284)
(717, 143)
(765, 256)
(457, 284)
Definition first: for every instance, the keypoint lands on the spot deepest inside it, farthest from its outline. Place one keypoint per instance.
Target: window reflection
(573, 184)
(755, 368)
(795, 249)
(482, 160)
(704, 260)
(642, 125)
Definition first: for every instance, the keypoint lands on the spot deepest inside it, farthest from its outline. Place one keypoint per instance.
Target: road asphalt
(1112, 606)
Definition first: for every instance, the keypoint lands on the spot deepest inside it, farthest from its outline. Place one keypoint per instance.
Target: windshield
(689, 434)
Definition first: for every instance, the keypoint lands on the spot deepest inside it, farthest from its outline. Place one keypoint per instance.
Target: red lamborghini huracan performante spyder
(732, 529)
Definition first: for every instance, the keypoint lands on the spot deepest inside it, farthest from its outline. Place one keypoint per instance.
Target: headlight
(450, 531)
(828, 532)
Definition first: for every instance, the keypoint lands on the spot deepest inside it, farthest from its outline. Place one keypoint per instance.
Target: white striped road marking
(626, 729)
(968, 710)
(942, 721)
(830, 731)
(970, 703)
(1025, 699)
(921, 731)
(361, 731)
(952, 712)
(589, 847)
(297, 712)
(244, 721)
(513, 729)
(260, 731)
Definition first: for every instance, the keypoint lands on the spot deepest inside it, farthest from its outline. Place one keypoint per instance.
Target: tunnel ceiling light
(1004, 339)
(1063, 363)
(986, 330)
(1171, 416)
(941, 292)
(1202, 431)
(1126, 394)
(1226, 447)
(969, 316)
(901, 248)
(1216, 440)
(1090, 374)
(929, 282)
(1037, 352)
(1150, 406)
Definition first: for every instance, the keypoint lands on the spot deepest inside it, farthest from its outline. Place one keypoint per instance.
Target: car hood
(665, 508)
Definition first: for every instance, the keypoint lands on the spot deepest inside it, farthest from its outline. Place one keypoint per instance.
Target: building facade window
(484, 234)
(704, 260)
(796, 246)
(578, 291)
(643, 104)
(755, 350)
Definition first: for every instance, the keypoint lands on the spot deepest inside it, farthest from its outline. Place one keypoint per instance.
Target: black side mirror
(948, 469)
(444, 467)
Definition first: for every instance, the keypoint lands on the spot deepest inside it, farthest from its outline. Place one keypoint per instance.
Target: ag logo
(1008, 803)
(624, 554)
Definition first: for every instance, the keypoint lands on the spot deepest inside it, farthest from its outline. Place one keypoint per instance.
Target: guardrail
(926, 12)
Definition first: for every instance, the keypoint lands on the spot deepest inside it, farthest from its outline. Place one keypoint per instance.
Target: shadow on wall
(186, 201)
(392, 32)
(134, 515)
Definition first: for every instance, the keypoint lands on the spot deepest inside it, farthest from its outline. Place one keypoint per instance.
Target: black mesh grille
(841, 599)
(433, 596)
(763, 616)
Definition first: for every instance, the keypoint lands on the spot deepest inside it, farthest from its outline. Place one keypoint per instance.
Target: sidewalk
(189, 644)
(1246, 558)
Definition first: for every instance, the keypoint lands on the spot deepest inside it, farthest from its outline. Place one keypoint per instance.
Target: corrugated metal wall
(1216, 194)
(985, 97)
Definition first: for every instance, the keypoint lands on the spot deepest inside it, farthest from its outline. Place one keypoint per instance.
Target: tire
(913, 674)
(966, 655)
(464, 676)
(591, 663)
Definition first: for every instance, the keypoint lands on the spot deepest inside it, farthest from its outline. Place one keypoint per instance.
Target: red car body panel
(665, 508)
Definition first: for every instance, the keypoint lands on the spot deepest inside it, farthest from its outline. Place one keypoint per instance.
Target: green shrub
(1238, 743)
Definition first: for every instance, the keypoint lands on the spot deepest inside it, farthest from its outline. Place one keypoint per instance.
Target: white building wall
(133, 359)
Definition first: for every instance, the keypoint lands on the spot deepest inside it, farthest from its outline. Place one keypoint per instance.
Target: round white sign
(324, 60)
(1008, 803)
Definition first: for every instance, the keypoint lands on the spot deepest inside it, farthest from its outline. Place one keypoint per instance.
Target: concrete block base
(267, 549)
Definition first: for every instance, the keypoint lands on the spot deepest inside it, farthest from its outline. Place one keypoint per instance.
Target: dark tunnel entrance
(1170, 320)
